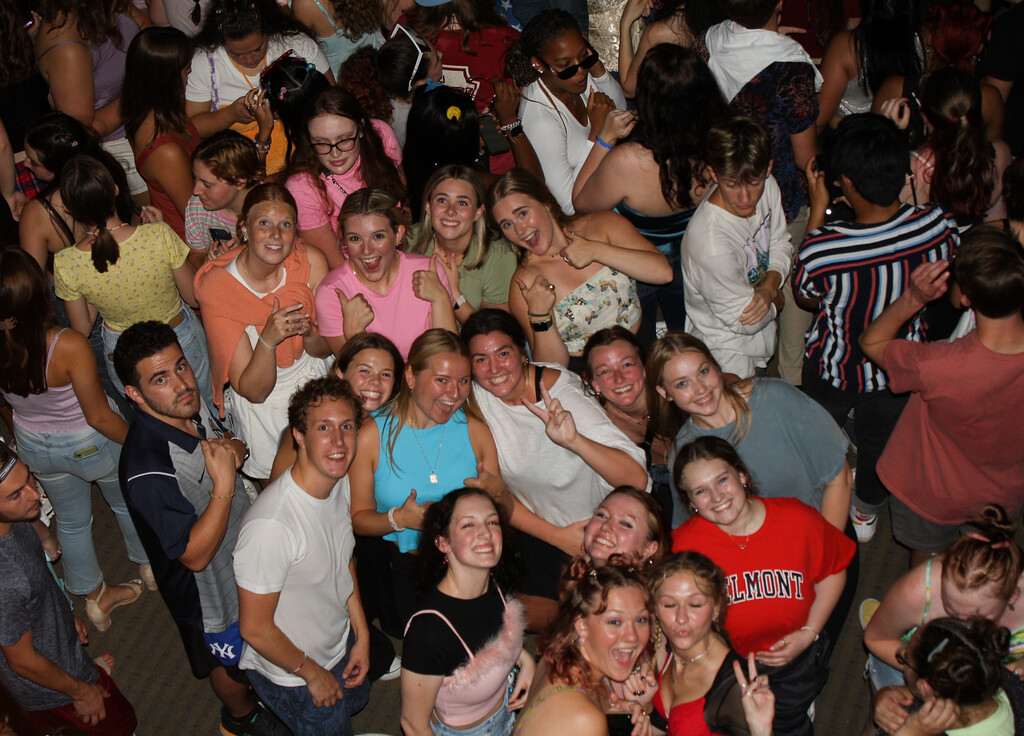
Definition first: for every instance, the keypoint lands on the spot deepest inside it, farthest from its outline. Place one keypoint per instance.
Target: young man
(736, 252)
(180, 482)
(769, 77)
(848, 273)
(307, 639)
(44, 666)
(945, 459)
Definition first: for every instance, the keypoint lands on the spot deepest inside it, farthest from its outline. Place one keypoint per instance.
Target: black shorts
(200, 660)
(541, 567)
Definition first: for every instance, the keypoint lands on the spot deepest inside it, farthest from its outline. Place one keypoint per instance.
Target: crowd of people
(699, 289)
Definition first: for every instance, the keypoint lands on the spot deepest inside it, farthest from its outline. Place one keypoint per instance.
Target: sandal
(100, 618)
(146, 573)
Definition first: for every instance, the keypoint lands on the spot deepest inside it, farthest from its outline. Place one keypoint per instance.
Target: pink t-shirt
(399, 315)
(312, 212)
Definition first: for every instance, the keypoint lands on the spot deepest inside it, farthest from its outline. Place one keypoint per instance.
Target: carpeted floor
(151, 670)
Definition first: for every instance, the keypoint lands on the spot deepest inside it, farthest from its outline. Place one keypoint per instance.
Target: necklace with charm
(433, 468)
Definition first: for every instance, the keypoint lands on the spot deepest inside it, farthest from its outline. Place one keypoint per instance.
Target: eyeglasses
(342, 146)
(418, 42)
(901, 658)
(570, 71)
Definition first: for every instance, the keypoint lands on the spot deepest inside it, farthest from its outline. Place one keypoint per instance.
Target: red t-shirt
(957, 444)
(771, 582)
(472, 72)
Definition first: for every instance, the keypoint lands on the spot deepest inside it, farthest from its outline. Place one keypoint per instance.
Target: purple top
(108, 68)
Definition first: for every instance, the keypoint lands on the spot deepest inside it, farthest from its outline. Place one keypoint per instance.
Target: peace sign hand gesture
(758, 699)
(558, 422)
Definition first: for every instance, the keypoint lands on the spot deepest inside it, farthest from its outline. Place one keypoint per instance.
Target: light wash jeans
(191, 338)
(499, 724)
(66, 464)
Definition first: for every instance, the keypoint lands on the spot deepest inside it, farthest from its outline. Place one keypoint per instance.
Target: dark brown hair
(314, 393)
(90, 196)
(24, 300)
(153, 81)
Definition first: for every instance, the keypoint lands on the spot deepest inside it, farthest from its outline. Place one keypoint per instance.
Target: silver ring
(551, 286)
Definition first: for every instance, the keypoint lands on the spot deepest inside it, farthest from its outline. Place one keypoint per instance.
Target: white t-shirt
(550, 480)
(299, 546)
(722, 256)
(225, 83)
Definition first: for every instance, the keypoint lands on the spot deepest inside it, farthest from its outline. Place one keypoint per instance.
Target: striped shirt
(857, 271)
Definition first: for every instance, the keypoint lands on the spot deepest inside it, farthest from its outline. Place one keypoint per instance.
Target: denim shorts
(499, 724)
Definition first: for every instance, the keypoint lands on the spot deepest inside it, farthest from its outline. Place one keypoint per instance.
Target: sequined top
(604, 30)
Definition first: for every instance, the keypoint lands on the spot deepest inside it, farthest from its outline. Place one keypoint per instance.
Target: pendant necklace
(746, 540)
(433, 468)
(637, 422)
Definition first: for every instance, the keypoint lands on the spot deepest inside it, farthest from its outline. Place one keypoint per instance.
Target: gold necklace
(433, 468)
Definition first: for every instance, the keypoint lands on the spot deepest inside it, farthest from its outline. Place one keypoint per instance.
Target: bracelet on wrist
(601, 143)
(508, 126)
(541, 326)
(391, 518)
(295, 671)
(808, 628)
(541, 315)
(267, 344)
(222, 498)
(263, 147)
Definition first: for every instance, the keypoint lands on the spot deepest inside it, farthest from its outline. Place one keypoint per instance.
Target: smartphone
(220, 234)
(494, 141)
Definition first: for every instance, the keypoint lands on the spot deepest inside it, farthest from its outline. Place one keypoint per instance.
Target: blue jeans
(191, 338)
(294, 705)
(667, 296)
(66, 464)
(882, 674)
(499, 724)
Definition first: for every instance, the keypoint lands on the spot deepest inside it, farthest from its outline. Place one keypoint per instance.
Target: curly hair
(583, 592)
(356, 19)
(471, 16)
(437, 523)
(986, 555)
(358, 74)
(378, 171)
(235, 19)
(95, 21)
(314, 392)
(710, 579)
(544, 27)
(678, 100)
(18, 60)
(964, 176)
(960, 660)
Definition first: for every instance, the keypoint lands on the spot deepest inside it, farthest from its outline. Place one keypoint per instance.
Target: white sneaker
(394, 671)
(865, 525)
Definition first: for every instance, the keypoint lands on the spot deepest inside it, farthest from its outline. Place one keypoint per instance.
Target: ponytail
(90, 196)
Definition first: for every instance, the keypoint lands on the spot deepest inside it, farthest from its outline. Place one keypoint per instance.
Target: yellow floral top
(138, 287)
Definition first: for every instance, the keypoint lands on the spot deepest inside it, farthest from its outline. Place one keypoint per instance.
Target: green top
(489, 282)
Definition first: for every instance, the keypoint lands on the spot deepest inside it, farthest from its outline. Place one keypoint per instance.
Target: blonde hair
(666, 417)
(457, 172)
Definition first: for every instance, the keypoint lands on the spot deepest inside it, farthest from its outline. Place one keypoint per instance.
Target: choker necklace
(332, 180)
(433, 468)
(703, 654)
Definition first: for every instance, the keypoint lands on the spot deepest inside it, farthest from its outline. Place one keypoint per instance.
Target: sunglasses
(570, 71)
(418, 42)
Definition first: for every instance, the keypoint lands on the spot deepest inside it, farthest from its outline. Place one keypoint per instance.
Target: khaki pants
(793, 321)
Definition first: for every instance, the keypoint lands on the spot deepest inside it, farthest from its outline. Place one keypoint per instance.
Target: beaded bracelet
(223, 498)
(601, 143)
(296, 670)
(508, 127)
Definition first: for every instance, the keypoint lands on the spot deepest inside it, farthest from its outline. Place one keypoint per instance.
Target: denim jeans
(191, 338)
(294, 705)
(883, 674)
(499, 724)
(667, 296)
(66, 464)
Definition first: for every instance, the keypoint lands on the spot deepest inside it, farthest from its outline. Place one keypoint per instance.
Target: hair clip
(310, 66)
(282, 93)
(942, 645)
(431, 85)
(1004, 544)
(592, 573)
(8, 324)
(454, 112)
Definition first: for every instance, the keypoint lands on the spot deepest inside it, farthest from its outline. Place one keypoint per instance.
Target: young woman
(654, 179)
(404, 64)
(575, 274)
(153, 107)
(956, 166)
(954, 683)
(560, 454)
(771, 544)
(982, 573)
(373, 367)
(66, 432)
(466, 639)
(613, 368)
(124, 273)
(478, 265)
(258, 309)
(340, 27)
(342, 151)
(289, 85)
(627, 522)
(572, 109)
(238, 40)
(701, 685)
(80, 50)
(417, 448)
(397, 294)
(602, 631)
(226, 167)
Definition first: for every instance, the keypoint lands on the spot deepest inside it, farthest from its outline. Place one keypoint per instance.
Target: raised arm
(531, 300)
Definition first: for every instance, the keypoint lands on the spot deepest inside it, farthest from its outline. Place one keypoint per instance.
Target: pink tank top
(54, 411)
(471, 692)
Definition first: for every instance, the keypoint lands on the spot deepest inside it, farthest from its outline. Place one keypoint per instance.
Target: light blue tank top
(339, 47)
(442, 451)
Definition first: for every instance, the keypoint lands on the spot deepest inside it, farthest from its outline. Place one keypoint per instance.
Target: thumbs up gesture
(356, 313)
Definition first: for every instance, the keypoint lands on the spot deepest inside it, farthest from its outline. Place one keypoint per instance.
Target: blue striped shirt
(857, 271)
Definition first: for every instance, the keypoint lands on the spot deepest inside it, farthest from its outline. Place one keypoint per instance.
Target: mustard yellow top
(138, 287)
